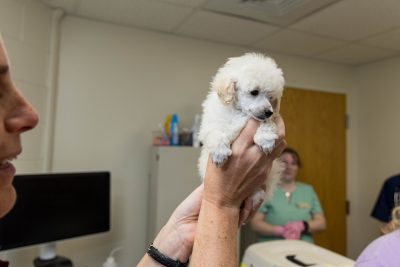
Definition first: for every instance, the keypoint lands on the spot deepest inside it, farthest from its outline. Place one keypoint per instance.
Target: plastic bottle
(110, 262)
(174, 131)
(167, 126)
(195, 130)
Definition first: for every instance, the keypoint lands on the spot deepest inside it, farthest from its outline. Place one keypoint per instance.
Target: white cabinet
(173, 176)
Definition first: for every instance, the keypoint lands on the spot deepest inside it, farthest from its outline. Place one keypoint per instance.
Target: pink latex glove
(291, 234)
(293, 230)
(279, 231)
(297, 226)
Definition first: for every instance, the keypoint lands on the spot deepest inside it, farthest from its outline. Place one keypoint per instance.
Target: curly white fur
(249, 86)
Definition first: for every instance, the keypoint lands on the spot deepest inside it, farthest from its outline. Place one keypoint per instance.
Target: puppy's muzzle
(265, 115)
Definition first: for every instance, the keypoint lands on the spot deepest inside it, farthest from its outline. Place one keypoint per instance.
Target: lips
(7, 170)
(5, 164)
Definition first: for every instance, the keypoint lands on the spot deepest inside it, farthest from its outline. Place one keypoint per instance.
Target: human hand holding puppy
(225, 189)
(247, 166)
(219, 202)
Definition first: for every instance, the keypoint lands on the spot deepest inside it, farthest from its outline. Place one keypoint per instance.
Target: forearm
(263, 228)
(316, 224)
(216, 236)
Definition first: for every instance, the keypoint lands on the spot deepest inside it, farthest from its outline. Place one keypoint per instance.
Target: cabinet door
(173, 176)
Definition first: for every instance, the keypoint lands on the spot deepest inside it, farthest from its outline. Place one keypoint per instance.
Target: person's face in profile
(291, 167)
(16, 117)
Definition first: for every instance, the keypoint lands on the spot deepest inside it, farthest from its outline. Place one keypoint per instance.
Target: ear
(225, 89)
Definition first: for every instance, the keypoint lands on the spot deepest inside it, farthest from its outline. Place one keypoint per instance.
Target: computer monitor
(56, 206)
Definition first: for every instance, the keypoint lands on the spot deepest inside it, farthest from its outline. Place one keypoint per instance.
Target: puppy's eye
(254, 92)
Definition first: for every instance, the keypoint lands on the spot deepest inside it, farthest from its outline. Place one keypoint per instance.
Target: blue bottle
(174, 131)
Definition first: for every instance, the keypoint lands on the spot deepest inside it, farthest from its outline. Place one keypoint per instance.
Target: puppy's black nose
(268, 113)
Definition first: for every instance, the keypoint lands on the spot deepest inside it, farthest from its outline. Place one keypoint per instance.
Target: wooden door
(315, 127)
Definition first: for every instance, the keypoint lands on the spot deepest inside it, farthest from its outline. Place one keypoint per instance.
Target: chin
(8, 197)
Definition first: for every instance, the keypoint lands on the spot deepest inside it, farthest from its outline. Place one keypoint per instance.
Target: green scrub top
(302, 205)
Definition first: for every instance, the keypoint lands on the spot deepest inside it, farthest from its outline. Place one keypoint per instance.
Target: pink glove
(297, 226)
(279, 231)
(293, 230)
(291, 234)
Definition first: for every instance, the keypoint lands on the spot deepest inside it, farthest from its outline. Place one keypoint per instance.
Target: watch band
(163, 259)
(306, 227)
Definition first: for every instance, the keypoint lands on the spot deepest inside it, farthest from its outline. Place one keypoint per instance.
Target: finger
(246, 136)
(252, 212)
(196, 193)
(280, 145)
(280, 126)
(190, 204)
(245, 211)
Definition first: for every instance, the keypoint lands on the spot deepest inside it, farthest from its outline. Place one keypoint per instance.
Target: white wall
(117, 83)
(25, 26)
(379, 132)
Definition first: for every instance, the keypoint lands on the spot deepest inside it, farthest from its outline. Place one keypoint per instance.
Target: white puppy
(249, 86)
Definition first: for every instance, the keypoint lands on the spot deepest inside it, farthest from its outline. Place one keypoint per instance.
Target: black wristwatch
(306, 227)
(163, 259)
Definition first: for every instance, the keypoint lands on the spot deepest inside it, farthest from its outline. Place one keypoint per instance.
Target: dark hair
(294, 154)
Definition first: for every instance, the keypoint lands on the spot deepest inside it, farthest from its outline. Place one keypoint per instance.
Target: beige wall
(25, 27)
(378, 137)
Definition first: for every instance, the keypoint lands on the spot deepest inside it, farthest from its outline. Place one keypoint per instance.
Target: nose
(268, 113)
(22, 118)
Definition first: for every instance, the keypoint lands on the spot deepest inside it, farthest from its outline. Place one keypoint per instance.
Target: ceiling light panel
(278, 12)
(227, 29)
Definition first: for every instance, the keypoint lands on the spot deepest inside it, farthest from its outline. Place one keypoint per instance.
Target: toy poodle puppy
(249, 86)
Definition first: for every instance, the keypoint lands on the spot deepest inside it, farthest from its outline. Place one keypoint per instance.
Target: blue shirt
(385, 202)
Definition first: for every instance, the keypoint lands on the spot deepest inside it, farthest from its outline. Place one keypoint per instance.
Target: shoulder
(304, 186)
(394, 180)
(382, 250)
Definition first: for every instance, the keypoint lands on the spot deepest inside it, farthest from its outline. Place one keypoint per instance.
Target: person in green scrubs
(294, 211)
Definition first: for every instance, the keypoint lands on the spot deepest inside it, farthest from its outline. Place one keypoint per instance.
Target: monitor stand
(48, 257)
(58, 261)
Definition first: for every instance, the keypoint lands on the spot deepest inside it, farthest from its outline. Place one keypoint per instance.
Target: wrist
(279, 231)
(160, 259)
(221, 206)
(170, 243)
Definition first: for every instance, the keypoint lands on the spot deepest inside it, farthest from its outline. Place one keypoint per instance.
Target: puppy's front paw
(220, 155)
(267, 145)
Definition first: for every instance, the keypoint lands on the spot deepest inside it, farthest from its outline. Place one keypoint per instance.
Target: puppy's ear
(225, 89)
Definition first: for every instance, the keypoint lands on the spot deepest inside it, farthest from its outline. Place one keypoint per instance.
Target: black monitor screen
(56, 206)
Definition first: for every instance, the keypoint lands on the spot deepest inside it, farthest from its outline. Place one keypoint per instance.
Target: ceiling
(352, 32)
